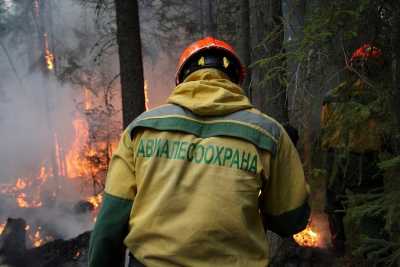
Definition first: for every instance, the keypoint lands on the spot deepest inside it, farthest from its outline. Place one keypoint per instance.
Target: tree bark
(266, 21)
(396, 64)
(244, 42)
(210, 26)
(130, 59)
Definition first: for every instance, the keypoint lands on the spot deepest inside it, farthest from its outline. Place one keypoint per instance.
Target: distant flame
(20, 184)
(307, 238)
(2, 226)
(88, 99)
(49, 57)
(24, 203)
(146, 94)
(75, 166)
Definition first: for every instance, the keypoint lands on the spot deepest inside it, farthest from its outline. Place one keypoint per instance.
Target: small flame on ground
(77, 254)
(36, 7)
(307, 237)
(24, 203)
(95, 200)
(37, 240)
(2, 226)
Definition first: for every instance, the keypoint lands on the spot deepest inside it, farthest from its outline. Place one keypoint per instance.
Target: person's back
(207, 174)
(352, 137)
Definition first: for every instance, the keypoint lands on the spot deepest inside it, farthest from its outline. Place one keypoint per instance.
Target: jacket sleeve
(112, 224)
(284, 198)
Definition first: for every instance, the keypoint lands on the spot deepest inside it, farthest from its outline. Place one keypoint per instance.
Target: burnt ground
(73, 252)
(290, 254)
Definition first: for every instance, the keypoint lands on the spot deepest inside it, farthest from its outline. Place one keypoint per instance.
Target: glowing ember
(146, 94)
(49, 57)
(307, 238)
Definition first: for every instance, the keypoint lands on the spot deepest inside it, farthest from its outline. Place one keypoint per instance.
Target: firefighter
(197, 182)
(352, 136)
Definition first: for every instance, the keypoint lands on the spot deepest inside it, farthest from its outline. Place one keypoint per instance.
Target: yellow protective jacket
(196, 182)
(348, 119)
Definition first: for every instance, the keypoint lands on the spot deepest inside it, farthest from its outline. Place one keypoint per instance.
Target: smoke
(37, 107)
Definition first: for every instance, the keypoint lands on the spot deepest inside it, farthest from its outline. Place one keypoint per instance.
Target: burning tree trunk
(130, 58)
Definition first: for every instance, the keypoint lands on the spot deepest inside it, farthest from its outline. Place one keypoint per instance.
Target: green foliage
(393, 163)
(320, 50)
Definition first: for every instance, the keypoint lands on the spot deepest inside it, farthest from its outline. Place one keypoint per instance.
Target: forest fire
(307, 237)
(74, 165)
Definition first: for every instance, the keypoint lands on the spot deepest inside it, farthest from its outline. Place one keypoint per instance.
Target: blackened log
(59, 252)
(12, 243)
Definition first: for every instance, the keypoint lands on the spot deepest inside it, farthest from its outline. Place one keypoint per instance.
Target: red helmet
(210, 53)
(366, 52)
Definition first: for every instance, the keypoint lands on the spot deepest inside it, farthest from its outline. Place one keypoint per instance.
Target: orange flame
(2, 226)
(88, 100)
(307, 237)
(146, 94)
(75, 166)
(95, 200)
(49, 57)
(20, 184)
(23, 202)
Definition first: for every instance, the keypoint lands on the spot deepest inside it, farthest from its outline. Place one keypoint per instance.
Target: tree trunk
(130, 59)
(396, 64)
(244, 42)
(269, 95)
(210, 27)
